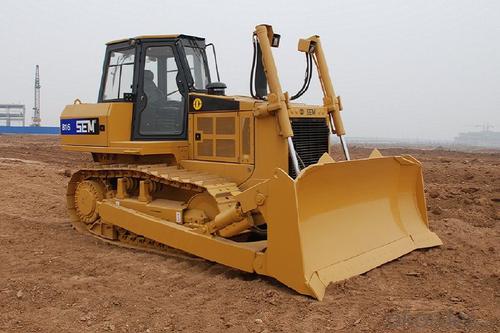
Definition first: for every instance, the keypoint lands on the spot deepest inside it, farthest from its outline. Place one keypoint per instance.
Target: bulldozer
(245, 181)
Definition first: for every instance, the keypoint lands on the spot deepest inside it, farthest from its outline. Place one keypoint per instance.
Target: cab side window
(196, 62)
(119, 74)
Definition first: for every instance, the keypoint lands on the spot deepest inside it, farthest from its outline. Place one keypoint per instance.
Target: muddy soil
(53, 279)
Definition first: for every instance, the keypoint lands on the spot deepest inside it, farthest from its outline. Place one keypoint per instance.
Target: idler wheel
(88, 193)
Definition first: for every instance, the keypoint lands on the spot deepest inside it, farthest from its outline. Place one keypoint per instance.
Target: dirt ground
(53, 279)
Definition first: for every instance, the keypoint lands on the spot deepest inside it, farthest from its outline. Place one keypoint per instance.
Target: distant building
(12, 114)
(484, 138)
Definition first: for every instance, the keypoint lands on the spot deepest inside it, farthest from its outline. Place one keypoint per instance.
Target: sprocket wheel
(87, 194)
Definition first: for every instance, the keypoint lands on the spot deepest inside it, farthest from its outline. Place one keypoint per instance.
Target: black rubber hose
(252, 71)
(307, 78)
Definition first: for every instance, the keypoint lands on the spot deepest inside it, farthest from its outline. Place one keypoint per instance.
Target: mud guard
(341, 219)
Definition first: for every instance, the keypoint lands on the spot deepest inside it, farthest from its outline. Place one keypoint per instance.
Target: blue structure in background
(28, 130)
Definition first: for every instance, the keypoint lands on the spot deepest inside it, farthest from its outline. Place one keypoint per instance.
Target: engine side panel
(96, 124)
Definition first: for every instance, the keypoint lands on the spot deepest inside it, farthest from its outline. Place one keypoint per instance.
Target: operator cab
(156, 73)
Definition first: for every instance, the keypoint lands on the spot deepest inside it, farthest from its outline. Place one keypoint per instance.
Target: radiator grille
(310, 138)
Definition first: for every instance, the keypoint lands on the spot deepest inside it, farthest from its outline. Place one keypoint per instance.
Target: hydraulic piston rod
(264, 34)
(330, 100)
(293, 155)
(342, 140)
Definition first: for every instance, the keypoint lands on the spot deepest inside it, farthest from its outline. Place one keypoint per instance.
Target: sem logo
(87, 126)
(80, 126)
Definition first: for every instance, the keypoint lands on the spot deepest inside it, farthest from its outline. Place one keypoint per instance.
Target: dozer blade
(341, 219)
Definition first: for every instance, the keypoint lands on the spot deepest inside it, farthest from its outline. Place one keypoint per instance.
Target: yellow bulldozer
(247, 182)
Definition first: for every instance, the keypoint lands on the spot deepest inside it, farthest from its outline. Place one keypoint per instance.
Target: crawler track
(192, 182)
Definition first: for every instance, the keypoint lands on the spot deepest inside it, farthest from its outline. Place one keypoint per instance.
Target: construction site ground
(53, 279)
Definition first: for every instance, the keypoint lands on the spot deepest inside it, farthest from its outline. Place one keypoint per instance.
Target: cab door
(160, 110)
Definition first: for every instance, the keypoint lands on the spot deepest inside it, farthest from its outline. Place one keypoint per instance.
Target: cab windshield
(197, 61)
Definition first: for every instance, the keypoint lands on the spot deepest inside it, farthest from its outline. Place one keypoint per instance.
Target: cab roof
(154, 37)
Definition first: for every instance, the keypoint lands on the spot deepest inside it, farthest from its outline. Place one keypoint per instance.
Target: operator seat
(153, 93)
(160, 116)
(148, 118)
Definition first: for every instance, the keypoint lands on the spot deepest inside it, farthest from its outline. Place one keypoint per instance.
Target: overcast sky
(404, 69)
